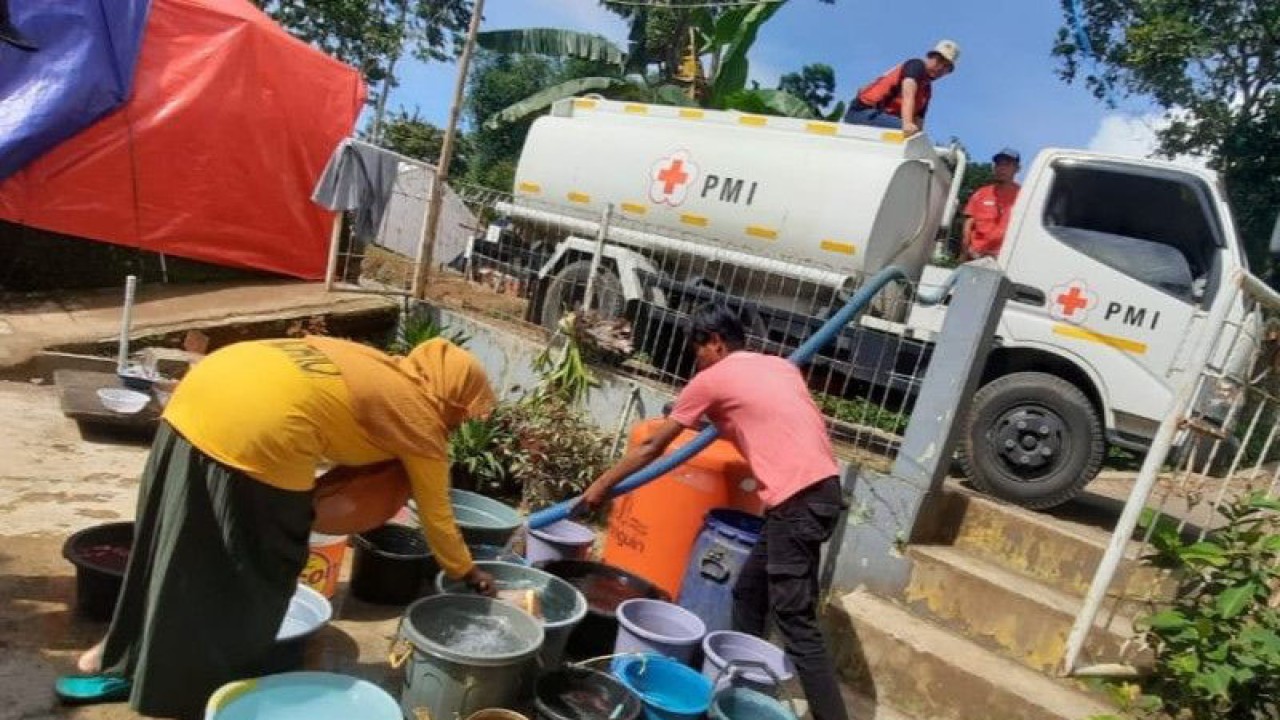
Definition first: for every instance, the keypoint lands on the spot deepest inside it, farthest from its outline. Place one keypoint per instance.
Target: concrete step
(1061, 550)
(885, 652)
(1020, 617)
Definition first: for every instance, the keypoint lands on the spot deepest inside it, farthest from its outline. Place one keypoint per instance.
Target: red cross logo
(672, 175)
(670, 178)
(1072, 301)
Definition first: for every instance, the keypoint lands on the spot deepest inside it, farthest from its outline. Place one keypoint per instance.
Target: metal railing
(530, 262)
(1217, 443)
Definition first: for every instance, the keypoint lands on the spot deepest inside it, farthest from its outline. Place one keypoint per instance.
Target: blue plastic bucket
(740, 703)
(655, 626)
(715, 563)
(668, 689)
(302, 696)
(564, 540)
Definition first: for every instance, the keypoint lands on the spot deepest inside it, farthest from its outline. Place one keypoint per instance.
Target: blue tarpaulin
(83, 70)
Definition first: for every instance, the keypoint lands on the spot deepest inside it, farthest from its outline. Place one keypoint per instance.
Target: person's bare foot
(90, 663)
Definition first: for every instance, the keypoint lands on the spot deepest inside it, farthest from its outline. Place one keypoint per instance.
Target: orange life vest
(885, 93)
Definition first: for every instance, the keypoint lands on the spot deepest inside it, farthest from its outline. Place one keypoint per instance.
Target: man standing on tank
(762, 405)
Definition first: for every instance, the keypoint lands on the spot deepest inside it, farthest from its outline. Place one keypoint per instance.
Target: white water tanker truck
(1116, 264)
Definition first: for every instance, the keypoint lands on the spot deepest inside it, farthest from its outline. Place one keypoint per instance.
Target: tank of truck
(844, 198)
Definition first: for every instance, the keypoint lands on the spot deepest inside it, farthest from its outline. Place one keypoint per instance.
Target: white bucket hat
(947, 50)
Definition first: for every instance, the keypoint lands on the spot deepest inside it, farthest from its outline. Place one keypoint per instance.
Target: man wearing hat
(899, 98)
(988, 209)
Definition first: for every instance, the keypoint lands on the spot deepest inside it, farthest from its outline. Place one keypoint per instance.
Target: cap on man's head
(947, 50)
(1008, 153)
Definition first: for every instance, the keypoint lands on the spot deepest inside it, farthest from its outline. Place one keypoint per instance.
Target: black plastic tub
(575, 693)
(100, 555)
(605, 587)
(391, 566)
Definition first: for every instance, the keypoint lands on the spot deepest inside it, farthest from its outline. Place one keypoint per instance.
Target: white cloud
(1134, 136)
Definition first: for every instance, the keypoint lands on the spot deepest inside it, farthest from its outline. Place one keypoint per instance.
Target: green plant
(564, 371)
(1217, 647)
(477, 461)
(554, 449)
(860, 411)
(416, 329)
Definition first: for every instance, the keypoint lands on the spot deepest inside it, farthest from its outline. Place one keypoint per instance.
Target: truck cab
(1116, 264)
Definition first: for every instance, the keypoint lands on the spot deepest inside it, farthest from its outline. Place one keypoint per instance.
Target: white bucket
(324, 563)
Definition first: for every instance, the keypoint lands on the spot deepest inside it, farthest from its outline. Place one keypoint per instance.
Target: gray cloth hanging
(359, 177)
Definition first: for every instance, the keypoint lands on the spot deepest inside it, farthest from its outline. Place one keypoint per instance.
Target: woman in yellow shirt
(225, 503)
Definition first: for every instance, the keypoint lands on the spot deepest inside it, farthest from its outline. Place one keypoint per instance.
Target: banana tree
(725, 37)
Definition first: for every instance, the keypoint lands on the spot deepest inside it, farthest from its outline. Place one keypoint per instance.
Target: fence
(386, 263)
(529, 262)
(1218, 443)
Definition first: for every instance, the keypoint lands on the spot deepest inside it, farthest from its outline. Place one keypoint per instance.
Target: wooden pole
(432, 223)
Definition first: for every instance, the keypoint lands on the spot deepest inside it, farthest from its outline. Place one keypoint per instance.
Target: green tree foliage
(815, 84)
(498, 80)
(1215, 64)
(369, 35)
(408, 134)
(725, 37)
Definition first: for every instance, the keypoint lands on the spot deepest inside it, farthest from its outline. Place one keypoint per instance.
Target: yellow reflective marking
(583, 104)
(835, 246)
(695, 220)
(636, 109)
(579, 197)
(530, 187)
(634, 208)
(893, 136)
(690, 114)
(822, 128)
(1118, 343)
(761, 232)
(754, 120)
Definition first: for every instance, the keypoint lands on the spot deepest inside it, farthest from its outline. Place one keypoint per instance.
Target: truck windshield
(1156, 229)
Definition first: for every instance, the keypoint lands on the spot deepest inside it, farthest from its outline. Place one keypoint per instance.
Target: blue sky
(1005, 90)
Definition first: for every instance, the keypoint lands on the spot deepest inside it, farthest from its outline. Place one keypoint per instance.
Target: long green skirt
(215, 559)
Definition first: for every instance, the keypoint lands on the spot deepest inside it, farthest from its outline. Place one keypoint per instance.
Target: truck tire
(1032, 439)
(567, 288)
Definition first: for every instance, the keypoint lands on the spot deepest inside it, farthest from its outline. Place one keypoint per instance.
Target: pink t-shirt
(761, 404)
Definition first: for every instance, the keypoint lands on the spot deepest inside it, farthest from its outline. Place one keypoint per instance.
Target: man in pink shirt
(761, 404)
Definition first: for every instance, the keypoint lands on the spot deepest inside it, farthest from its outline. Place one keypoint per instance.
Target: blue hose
(799, 356)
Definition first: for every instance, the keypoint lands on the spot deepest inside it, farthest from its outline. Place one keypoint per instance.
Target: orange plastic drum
(652, 529)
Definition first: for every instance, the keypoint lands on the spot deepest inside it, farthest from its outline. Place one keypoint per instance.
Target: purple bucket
(721, 648)
(654, 626)
(563, 540)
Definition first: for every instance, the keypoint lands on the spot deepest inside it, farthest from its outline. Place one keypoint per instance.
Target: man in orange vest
(899, 98)
(988, 209)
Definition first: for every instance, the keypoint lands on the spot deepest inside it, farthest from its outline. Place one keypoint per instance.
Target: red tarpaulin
(215, 155)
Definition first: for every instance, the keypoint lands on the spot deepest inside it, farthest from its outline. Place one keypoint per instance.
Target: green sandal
(91, 689)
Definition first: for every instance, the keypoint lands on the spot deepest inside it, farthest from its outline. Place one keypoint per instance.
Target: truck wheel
(1031, 438)
(568, 287)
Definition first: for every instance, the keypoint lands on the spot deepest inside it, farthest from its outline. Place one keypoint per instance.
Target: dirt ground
(56, 480)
